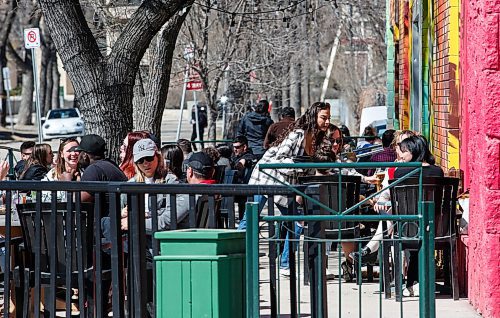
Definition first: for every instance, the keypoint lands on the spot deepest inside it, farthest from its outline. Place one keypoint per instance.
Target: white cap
(144, 148)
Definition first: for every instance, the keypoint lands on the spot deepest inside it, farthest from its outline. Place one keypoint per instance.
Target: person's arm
(241, 127)
(4, 170)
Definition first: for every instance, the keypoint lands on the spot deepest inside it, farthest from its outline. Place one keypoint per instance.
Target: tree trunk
(6, 22)
(56, 79)
(26, 108)
(295, 93)
(150, 112)
(104, 86)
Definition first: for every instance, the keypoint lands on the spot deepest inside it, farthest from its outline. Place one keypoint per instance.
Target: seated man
(243, 162)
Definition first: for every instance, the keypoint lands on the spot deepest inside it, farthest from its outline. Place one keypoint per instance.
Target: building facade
(444, 80)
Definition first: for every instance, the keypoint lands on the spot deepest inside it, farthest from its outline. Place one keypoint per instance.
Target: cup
(380, 176)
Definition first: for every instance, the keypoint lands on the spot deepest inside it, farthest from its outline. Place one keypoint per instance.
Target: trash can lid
(196, 234)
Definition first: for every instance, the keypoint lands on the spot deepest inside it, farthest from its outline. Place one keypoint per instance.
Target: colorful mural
(438, 118)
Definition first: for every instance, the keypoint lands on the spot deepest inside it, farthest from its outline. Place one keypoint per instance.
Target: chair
(443, 192)
(219, 173)
(327, 192)
(67, 239)
(203, 206)
(227, 203)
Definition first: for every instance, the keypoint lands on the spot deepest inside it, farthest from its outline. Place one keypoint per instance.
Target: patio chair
(65, 254)
(204, 205)
(443, 192)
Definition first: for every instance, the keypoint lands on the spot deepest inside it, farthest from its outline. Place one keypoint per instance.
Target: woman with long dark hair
(302, 138)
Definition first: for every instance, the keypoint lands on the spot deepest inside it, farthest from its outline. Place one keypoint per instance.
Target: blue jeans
(259, 199)
(284, 262)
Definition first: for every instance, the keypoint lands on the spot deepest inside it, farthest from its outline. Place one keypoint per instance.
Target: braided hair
(308, 123)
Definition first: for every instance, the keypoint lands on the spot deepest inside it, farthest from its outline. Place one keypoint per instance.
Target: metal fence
(315, 241)
(66, 257)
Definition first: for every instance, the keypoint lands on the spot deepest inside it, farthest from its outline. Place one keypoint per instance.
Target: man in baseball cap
(200, 169)
(91, 144)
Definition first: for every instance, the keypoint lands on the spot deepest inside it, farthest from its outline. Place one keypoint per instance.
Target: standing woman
(38, 163)
(66, 168)
(302, 138)
(126, 151)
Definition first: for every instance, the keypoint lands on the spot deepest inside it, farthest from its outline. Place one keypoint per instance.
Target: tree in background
(104, 80)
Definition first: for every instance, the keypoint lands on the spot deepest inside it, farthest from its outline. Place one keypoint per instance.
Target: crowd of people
(311, 137)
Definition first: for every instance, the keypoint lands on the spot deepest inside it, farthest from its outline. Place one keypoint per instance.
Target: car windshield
(63, 113)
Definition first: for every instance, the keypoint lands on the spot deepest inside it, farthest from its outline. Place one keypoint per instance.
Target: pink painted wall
(480, 148)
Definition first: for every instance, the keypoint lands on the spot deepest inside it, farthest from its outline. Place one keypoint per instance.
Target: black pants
(194, 136)
(412, 273)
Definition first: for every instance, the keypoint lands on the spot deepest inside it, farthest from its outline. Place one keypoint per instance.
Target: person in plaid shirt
(301, 138)
(388, 154)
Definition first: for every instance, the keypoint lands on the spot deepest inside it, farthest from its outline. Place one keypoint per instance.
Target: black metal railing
(78, 252)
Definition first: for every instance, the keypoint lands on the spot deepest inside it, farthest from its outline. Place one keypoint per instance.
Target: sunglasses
(336, 140)
(148, 159)
(238, 147)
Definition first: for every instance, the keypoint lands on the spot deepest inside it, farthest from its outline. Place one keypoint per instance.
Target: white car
(63, 122)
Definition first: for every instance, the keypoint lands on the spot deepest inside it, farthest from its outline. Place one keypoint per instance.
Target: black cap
(92, 144)
(200, 162)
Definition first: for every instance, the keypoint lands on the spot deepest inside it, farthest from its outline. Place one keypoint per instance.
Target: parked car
(63, 122)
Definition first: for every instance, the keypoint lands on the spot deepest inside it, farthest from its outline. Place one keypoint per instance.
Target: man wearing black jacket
(254, 126)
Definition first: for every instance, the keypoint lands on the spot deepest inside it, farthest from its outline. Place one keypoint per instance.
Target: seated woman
(149, 168)
(38, 163)
(66, 168)
(411, 149)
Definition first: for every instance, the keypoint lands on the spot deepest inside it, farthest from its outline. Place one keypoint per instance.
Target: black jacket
(254, 126)
(35, 172)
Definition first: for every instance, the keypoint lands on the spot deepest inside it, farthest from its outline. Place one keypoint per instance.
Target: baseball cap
(200, 162)
(93, 144)
(144, 148)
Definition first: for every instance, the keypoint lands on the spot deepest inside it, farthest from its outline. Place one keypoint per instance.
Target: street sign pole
(37, 96)
(7, 86)
(183, 97)
(196, 117)
(32, 41)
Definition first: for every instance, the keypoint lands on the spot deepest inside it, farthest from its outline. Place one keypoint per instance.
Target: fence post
(252, 259)
(11, 174)
(426, 265)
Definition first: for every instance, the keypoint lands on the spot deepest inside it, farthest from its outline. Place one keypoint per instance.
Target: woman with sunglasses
(126, 151)
(66, 167)
(149, 168)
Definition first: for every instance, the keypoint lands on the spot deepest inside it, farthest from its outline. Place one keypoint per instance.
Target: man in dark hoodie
(254, 126)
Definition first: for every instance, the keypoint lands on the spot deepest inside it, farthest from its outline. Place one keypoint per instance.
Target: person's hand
(124, 212)
(382, 206)
(371, 180)
(67, 176)
(124, 224)
(4, 169)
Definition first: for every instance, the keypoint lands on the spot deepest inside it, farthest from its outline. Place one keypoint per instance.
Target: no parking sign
(31, 38)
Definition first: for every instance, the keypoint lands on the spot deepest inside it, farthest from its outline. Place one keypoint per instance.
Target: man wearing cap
(95, 167)
(200, 169)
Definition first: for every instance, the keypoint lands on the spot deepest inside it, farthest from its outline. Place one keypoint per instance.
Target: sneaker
(285, 272)
(411, 291)
(367, 257)
(347, 271)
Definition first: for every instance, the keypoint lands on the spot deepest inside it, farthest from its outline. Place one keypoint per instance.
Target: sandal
(347, 271)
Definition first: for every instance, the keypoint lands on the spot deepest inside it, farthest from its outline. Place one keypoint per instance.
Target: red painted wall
(480, 148)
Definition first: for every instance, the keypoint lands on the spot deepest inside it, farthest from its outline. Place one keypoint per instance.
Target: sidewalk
(371, 300)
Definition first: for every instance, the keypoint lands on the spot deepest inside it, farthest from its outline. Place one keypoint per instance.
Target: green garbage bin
(200, 273)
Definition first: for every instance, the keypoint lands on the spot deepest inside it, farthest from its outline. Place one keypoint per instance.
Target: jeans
(284, 263)
(259, 199)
